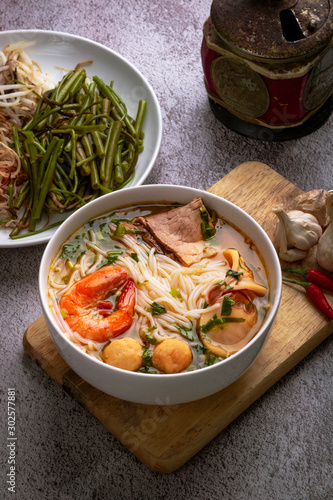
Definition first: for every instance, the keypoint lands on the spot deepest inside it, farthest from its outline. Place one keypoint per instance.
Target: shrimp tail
(127, 297)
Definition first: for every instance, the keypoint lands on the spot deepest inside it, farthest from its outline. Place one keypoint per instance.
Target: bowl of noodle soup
(186, 319)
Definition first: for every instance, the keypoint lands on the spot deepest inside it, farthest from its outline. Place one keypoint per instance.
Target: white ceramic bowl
(161, 389)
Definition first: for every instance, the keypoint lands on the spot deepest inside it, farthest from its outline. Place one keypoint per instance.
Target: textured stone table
(281, 447)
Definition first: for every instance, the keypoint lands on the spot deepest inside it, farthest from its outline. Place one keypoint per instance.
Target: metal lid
(274, 29)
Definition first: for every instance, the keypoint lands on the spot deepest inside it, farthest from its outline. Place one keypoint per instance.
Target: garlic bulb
(313, 202)
(296, 232)
(325, 244)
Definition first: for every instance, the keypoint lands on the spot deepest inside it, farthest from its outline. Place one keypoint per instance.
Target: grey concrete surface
(281, 447)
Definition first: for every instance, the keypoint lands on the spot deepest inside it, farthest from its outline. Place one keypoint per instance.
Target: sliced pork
(179, 230)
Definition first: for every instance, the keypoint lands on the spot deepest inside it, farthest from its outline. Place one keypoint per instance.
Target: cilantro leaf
(251, 307)
(215, 321)
(111, 258)
(157, 309)
(200, 348)
(223, 283)
(226, 306)
(187, 332)
(70, 249)
(134, 256)
(208, 231)
(146, 356)
(234, 274)
(103, 231)
(150, 339)
(211, 359)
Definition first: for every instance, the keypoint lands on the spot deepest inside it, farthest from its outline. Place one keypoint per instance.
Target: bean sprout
(21, 84)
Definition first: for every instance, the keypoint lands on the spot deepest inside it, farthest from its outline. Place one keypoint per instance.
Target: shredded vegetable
(21, 84)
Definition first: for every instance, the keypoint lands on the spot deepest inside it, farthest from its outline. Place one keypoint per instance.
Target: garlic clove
(293, 254)
(325, 244)
(280, 237)
(280, 243)
(313, 202)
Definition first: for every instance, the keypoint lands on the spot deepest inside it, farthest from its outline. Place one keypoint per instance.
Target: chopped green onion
(176, 294)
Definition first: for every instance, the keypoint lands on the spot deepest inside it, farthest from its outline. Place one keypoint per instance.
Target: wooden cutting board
(165, 437)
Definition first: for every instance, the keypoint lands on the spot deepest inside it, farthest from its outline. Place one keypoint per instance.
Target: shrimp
(81, 304)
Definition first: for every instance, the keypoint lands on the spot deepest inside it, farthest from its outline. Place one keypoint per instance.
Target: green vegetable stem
(80, 144)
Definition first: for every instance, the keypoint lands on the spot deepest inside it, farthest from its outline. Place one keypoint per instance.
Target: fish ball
(172, 356)
(125, 353)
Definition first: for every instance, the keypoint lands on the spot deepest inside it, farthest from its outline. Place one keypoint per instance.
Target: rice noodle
(154, 275)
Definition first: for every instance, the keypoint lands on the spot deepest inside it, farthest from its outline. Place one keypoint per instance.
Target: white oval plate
(54, 50)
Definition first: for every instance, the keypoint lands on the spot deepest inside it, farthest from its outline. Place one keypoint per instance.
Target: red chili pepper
(316, 296)
(316, 277)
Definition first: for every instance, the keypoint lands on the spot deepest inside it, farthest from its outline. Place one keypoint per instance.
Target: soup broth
(186, 303)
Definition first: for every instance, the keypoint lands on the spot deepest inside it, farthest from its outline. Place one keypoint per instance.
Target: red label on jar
(280, 99)
(286, 100)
